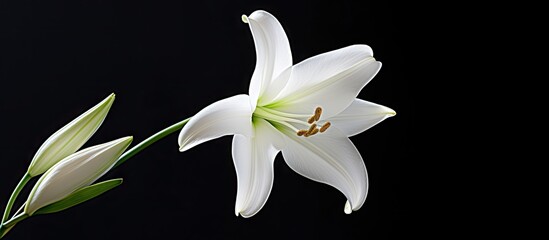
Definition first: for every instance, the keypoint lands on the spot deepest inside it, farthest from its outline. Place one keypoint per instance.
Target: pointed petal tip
(184, 147)
(391, 112)
(247, 216)
(245, 18)
(128, 140)
(348, 209)
(110, 99)
(240, 213)
(387, 111)
(124, 142)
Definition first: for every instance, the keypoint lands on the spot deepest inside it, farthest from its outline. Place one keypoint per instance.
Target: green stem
(3, 227)
(15, 220)
(11, 223)
(14, 195)
(152, 139)
(21, 208)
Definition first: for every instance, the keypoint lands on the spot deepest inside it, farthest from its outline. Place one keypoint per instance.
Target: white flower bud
(74, 172)
(70, 138)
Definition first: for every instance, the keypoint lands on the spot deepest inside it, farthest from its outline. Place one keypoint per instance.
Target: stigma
(314, 128)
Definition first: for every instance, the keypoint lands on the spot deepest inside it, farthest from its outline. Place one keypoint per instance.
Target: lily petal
(253, 159)
(329, 158)
(360, 116)
(273, 53)
(330, 80)
(231, 115)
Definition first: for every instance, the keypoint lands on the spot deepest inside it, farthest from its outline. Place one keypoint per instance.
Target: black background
(166, 61)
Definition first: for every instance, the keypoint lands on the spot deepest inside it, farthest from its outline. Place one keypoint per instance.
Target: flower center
(287, 118)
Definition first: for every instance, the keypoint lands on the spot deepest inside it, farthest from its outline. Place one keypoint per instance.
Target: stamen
(313, 127)
(315, 131)
(270, 116)
(288, 125)
(325, 127)
(284, 114)
(318, 111)
(301, 132)
(311, 119)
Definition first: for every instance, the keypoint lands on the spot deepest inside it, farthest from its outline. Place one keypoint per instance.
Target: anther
(315, 131)
(313, 127)
(325, 127)
(301, 132)
(311, 119)
(318, 111)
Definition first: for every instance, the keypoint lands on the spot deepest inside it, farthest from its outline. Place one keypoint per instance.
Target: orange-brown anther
(318, 112)
(325, 127)
(313, 127)
(301, 132)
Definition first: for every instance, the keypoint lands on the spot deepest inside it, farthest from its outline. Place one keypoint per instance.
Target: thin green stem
(15, 220)
(14, 195)
(20, 209)
(4, 228)
(152, 139)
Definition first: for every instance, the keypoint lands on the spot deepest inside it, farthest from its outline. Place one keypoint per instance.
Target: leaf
(80, 196)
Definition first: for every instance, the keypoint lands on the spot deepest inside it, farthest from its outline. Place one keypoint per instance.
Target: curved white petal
(360, 116)
(330, 80)
(273, 53)
(330, 158)
(231, 115)
(253, 159)
(274, 88)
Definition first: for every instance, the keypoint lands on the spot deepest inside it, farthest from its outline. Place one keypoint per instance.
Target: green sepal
(80, 196)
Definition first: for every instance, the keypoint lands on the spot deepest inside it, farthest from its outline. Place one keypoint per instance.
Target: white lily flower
(307, 111)
(74, 172)
(70, 138)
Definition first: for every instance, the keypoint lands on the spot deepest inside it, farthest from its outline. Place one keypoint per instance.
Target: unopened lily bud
(75, 172)
(70, 138)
